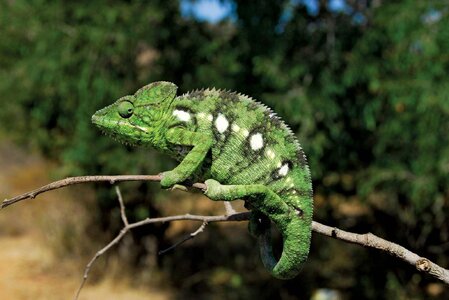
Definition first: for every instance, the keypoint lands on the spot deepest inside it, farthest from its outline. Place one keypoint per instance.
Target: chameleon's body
(238, 146)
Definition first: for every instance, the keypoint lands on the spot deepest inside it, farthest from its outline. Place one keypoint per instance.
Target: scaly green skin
(238, 146)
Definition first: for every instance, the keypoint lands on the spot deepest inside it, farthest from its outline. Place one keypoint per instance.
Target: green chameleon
(239, 147)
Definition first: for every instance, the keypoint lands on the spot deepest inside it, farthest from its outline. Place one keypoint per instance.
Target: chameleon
(239, 147)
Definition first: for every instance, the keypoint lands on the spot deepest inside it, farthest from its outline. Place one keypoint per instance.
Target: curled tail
(296, 234)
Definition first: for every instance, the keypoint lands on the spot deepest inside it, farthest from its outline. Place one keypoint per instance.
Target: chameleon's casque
(239, 147)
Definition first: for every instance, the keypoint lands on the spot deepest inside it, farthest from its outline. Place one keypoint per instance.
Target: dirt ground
(28, 266)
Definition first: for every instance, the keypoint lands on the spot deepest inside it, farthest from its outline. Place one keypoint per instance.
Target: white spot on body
(235, 127)
(279, 164)
(201, 115)
(210, 118)
(271, 154)
(256, 141)
(283, 170)
(182, 115)
(245, 132)
(221, 123)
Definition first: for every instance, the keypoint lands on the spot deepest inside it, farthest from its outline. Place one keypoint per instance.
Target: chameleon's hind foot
(213, 189)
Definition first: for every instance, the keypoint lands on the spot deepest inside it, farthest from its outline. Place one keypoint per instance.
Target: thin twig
(185, 239)
(115, 241)
(122, 206)
(368, 240)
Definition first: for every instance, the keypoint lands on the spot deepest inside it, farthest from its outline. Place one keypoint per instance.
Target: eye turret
(125, 109)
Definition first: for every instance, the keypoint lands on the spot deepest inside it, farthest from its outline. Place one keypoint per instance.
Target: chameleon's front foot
(171, 180)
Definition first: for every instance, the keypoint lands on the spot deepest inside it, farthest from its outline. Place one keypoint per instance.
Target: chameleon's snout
(100, 118)
(95, 119)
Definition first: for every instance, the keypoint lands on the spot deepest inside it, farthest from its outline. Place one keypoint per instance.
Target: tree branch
(372, 241)
(84, 179)
(368, 240)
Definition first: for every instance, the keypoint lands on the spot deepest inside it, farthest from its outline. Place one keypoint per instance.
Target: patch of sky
(212, 11)
(359, 18)
(339, 6)
(312, 7)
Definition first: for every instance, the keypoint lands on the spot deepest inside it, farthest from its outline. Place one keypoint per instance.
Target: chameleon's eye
(125, 109)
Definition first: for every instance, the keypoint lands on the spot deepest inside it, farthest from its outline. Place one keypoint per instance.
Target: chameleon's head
(139, 118)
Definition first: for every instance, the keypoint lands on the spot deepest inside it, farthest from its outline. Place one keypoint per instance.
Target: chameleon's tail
(296, 243)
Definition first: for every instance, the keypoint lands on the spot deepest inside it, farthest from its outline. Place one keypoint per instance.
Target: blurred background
(363, 84)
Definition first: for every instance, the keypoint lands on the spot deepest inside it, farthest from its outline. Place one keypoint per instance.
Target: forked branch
(128, 226)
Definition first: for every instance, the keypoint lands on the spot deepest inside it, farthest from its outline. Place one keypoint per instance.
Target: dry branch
(367, 240)
(84, 179)
(370, 240)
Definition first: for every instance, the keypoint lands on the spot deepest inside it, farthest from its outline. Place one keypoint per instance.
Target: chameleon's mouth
(111, 128)
(118, 137)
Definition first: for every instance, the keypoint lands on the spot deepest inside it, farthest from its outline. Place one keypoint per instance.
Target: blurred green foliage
(365, 88)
